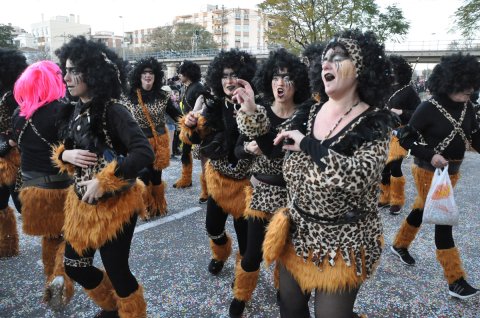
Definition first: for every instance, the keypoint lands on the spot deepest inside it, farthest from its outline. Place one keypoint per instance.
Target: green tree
(467, 18)
(296, 23)
(182, 37)
(6, 36)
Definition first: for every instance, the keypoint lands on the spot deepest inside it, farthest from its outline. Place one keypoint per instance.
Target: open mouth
(231, 87)
(280, 92)
(329, 77)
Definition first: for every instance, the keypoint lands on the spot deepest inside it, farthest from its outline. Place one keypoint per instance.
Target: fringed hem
(161, 148)
(396, 151)
(63, 166)
(9, 166)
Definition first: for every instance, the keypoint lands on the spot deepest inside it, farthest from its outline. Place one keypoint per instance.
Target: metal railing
(435, 45)
(169, 55)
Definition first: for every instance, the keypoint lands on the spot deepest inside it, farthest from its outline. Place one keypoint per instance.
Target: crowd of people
(303, 153)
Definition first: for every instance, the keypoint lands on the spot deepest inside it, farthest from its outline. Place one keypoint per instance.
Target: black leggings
(443, 233)
(256, 234)
(186, 151)
(392, 169)
(115, 254)
(215, 224)
(294, 303)
(149, 175)
(5, 193)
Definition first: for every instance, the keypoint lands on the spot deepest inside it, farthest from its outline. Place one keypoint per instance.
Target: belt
(54, 181)
(271, 179)
(351, 216)
(453, 166)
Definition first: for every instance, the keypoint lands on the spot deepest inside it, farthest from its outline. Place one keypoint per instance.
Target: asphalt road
(170, 255)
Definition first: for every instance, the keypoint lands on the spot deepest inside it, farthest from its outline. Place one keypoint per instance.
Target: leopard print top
(346, 183)
(157, 111)
(5, 115)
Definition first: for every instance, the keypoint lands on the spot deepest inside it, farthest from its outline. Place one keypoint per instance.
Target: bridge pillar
(171, 69)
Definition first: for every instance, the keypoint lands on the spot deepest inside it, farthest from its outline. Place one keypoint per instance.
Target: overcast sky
(430, 19)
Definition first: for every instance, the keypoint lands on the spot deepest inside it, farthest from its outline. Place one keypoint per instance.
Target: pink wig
(41, 83)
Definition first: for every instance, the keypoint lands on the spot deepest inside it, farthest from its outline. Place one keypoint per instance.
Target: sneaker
(395, 209)
(461, 289)
(202, 200)
(107, 314)
(215, 266)
(236, 308)
(404, 255)
(381, 205)
(54, 294)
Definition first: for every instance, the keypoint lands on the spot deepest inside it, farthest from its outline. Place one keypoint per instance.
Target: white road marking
(170, 218)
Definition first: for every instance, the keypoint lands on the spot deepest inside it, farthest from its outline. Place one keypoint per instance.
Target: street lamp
(123, 36)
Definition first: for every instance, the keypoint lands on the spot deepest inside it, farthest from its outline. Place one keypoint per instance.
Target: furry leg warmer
(159, 203)
(221, 252)
(451, 263)
(276, 236)
(397, 191)
(104, 295)
(203, 184)
(384, 195)
(8, 233)
(405, 235)
(185, 180)
(245, 283)
(50, 246)
(132, 306)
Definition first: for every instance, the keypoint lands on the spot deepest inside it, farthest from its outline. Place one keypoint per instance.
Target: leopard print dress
(157, 111)
(347, 182)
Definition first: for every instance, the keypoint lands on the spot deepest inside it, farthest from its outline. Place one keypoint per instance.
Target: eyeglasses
(230, 76)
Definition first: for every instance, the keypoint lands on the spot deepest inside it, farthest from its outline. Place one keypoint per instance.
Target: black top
(35, 152)
(405, 99)
(127, 138)
(189, 96)
(429, 123)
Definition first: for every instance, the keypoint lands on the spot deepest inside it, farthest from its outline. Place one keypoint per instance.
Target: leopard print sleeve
(254, 125)
(357, 172)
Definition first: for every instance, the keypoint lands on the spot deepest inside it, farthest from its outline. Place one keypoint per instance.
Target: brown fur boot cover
(327, 278)
(9, 167)
(159, 203)
(148, 200)
(405, 235)
(451, 263)
(245, 283)
(104, 295)
(221, 252)
(57, 296)
(203, 184)
(185, 180)
(395, 150)
(50, 247)
(276, 236)
(42, 210)
(423, 180)
(161, 148)
(132, 306)
(384, 194)
(90, 226)
(8, 233)
(397, 191)
(228, 193)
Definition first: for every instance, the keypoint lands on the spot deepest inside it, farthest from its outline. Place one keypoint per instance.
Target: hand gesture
(292, 139)
(79, 157)
(245, 96)
(93, 192)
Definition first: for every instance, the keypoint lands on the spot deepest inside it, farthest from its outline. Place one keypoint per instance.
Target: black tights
(256, 234)
(149, 174)
(215, 224)
(443, 233)
(294, 302)
(115, 254)
(5, 193)
(392, 169)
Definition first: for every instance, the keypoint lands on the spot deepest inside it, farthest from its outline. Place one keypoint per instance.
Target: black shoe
(395, 209)
(202, 200)
(236, 308)
(215, 266)
(461, 289)
(404, 255)
(107, 314)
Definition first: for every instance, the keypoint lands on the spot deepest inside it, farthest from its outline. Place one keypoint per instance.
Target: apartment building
(231, 27)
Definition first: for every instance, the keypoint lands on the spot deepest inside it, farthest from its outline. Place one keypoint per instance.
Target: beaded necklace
(339, 121)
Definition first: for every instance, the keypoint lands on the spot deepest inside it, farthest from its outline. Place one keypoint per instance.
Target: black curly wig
(297, 72)
(135, 75)
(190, 70)
(455, 73)
(374, 78)
(241, 62)
(402, 70)
(12, 64)
(313, 51)
(101, 68)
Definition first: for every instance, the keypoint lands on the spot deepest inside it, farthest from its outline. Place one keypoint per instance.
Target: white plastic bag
(440, 207)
